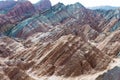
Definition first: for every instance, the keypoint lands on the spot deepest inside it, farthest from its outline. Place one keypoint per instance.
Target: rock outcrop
(59, 41)
(112, 19)
(58, 31)
(98, 21)
(68, 56)
(13, 12)
(111, 44)
(14, 73)
(9, 46)
(71, 15)
(19, 12)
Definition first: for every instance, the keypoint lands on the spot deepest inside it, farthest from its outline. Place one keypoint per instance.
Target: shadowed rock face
(113, 74)
(15, 73)
(5, 6)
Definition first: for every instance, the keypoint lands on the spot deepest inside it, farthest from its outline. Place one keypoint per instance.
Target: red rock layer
(19, 12)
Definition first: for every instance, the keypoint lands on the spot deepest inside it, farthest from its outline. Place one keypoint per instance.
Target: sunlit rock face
(68, 56)
(13, 12)
(111, 44)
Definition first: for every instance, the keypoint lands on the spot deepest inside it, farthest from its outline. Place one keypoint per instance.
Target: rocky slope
(9, 46)
(57, 15)
(111, 44)
(112, 19)
(69, 56)
(19, 12)
(16, 11)
(62, 43)
(58, 31)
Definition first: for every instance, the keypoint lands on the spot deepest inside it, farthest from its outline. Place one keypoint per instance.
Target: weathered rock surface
(14, 70)
(22, 9)
(58, 31)
(14, 73)
(112, 19)
(71, 15)
(19, 12)
(111, 44)
(57, 15)
(9, 46)
(68, 56)
(69, 41)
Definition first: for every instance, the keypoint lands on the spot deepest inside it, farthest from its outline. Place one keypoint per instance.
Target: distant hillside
(103, 7)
